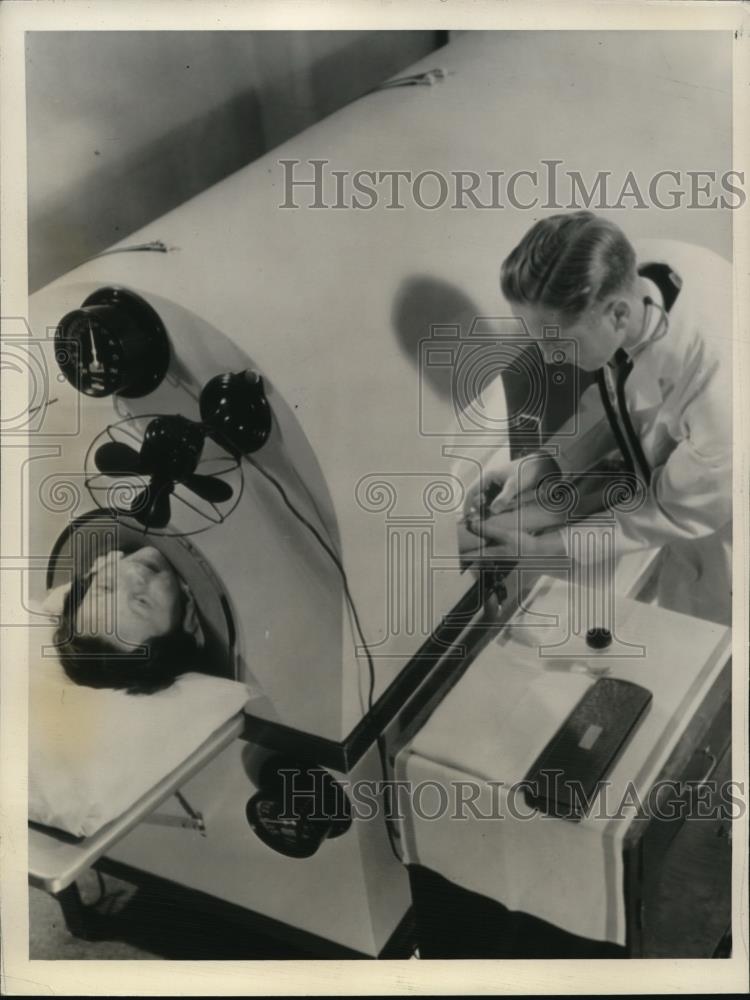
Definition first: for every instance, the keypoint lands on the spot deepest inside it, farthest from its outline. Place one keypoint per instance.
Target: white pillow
(95, 752)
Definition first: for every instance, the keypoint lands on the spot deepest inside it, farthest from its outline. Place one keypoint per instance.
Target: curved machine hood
(348, 447)
(330, 307)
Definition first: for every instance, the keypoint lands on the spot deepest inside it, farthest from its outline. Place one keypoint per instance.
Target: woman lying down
(129, 623)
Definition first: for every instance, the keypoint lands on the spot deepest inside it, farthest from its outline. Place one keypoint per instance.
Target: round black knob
(236, 410)
(115, 343)
(598, 638)
(296, 808)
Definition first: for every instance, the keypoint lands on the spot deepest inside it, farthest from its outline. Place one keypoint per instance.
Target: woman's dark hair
(567, 263)
(93, 662)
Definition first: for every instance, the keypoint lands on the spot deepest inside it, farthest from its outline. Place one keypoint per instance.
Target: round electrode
(297, 808)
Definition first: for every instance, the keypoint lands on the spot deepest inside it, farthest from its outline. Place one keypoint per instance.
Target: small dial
(89, 355)
(115, 343)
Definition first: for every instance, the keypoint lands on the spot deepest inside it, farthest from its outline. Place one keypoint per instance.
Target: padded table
(56, 859)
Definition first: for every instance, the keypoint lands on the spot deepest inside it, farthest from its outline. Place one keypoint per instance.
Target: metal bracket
(192, 820)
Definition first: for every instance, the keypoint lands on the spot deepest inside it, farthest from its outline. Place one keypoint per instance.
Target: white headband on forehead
(55, 599)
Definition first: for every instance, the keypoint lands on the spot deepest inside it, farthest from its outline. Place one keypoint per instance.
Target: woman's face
(131, 599)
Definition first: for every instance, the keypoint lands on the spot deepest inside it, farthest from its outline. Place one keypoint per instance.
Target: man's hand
(496, 539)
(513, 478)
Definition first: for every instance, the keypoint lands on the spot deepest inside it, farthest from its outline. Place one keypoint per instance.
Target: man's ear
(618, 313)
(190, 621)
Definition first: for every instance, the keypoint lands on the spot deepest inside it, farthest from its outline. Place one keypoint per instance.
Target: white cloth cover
(93, 753)
(491, 727)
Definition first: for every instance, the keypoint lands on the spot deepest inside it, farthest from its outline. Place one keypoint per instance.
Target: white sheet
(93, 753)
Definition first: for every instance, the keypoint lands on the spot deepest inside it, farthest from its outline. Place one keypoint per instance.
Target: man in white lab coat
(654, 321)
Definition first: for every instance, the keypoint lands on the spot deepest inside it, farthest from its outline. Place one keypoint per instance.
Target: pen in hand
(482, 511)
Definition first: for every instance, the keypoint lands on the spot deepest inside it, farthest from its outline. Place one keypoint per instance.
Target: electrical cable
(355, 615)
(334, 558)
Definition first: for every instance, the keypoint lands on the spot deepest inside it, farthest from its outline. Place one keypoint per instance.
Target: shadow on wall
(423, 302)
(124, 126)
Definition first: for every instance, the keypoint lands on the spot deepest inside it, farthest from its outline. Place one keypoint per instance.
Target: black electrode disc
(115, 343)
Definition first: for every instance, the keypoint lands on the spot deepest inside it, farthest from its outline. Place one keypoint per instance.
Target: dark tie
(622, 428)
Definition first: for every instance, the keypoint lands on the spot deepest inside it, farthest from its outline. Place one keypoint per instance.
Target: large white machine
(337, 325)
(269, 592)
(380, 494)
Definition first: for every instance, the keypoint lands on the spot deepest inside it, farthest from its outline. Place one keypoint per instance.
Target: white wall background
(123, 126)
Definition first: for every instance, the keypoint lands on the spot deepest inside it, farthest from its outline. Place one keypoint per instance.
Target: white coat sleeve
(691, 493)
